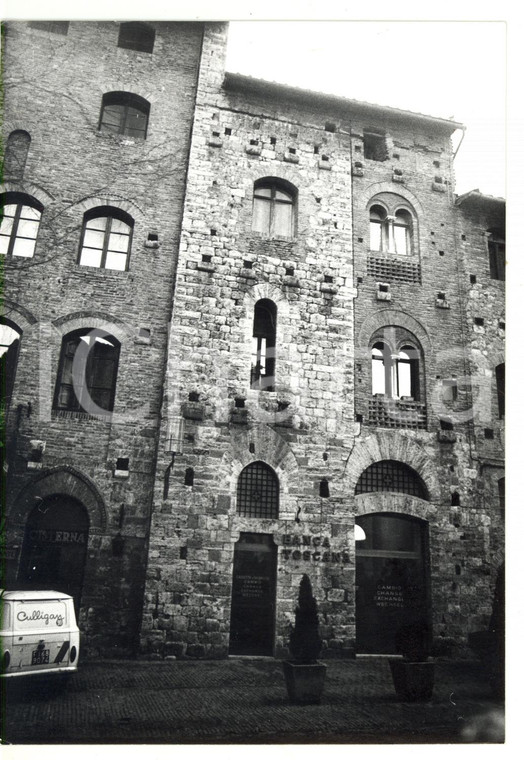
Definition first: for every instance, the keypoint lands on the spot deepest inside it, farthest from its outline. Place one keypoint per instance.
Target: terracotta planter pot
(305, 683)
(413, 681)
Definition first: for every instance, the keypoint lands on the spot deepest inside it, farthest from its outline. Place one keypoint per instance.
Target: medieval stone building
(249, 332)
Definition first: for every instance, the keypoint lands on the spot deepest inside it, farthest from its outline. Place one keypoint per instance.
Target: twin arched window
(124, 113)
(396, 360)
(274, 208)
(258, 491)
(106, 238)
(87, 372)
(390, 233)
(20, 222)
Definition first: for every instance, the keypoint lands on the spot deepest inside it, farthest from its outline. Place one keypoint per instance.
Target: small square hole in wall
(436, 164)
(383, 288)
(293, 134)
(316, 150)
(183, 552)
(441, 296)
(240, 403)
(206, 258)
(216, 134)
(144, 332)
(502, 325)
(441, 253)
(152, 237)
(256, 125)
(324, 157)
(488, 434)
(360, 280)
(479, 321)
(253, 142)
(248, 265)
(396, 155)
(463, 237)
(330, 126)
(473, 279)
(122, 463)
(194, 396)
(273, 140)
(212, 232)
(358, 418)
(318, 199)
(251, 448)
(328, 278)
(360, 240)
(292, 151)
(290, 271)
(227, 131)
(358, 148)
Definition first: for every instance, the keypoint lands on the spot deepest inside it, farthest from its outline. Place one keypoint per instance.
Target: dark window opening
(455, 499)
(497, 255)
(122, 463)
(189, 476)
(9, 345)
(15, 155)
(500, 377)
(501, 487)
(488, 434)
(87, 373)
(263, 345)
(258, 492)
(194, 396)
(124, 113)
(375, 146)
(134, 35)
(324, 489)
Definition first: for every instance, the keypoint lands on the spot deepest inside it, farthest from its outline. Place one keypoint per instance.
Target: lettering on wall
(315, 551)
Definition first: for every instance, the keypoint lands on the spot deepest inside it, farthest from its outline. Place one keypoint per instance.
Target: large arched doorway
(55, 545)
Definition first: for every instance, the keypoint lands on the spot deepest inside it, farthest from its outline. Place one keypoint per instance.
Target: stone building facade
(278, 294)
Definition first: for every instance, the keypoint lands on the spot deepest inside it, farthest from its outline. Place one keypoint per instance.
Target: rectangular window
(497, 260)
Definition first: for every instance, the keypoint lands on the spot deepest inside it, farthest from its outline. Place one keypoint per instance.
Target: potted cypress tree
(303, 673)
(414, 674)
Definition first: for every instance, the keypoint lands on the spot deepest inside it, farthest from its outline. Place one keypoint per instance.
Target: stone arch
(65, 480)
(395, 445)
(266, 446)
(13, 312)
(387, 317)
(391, 187)
(92, 318)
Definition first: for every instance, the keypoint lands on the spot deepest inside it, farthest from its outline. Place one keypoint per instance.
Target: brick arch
(118, 201)
(389, 317)
(391, 187)
(152, 97)
(395, 445)
(29, 188)
(21, 316)
(103, 321)
(61, 480)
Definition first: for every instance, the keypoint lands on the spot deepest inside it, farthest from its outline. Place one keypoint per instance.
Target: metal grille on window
(389, 475)
(257, 492)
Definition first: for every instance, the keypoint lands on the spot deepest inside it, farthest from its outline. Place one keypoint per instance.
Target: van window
(5, 615)
(50, 614)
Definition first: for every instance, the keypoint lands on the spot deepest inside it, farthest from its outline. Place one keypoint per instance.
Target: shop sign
(311, 549)
(57, 536)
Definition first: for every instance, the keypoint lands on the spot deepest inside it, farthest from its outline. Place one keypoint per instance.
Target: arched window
(497, 254)
(106, 238)
(500, 377)
(258, 491)
(20, 222)
(395, 375)
(87, 372)
(273, 208)
(263, 345)
(391, 226)
(389, 475)
(15, 156)
(124, 113)
(9, 344)
(135, 35)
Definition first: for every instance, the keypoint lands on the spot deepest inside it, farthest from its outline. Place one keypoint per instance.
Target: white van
(38, 633)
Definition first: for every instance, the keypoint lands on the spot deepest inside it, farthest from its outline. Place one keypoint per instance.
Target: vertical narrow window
(9, 344)
(273, 209)
(501, 484)
(407, 373)
(402, 232)
(263, 345)
(497, 255)
(500, 377)
(377, 229)
(378, 369)
(20, 224)
(15, 156)
(88, 370)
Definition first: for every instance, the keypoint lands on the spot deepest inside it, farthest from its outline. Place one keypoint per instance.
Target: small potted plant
(303, 673)
(414, 674)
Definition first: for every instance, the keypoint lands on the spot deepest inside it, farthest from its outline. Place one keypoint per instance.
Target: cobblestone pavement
(244, 701)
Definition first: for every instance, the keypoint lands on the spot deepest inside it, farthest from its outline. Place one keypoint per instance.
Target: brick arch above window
(385, 318)
(96, 319)
(28, 188)
(116, 201)
(389, 189)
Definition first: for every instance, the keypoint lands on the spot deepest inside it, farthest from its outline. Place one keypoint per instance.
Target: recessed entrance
(253, 599)
(391, 580)
(54, 548)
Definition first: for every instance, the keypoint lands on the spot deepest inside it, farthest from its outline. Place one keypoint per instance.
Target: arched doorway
(253, 599)
(392, 579)
(55, 545)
